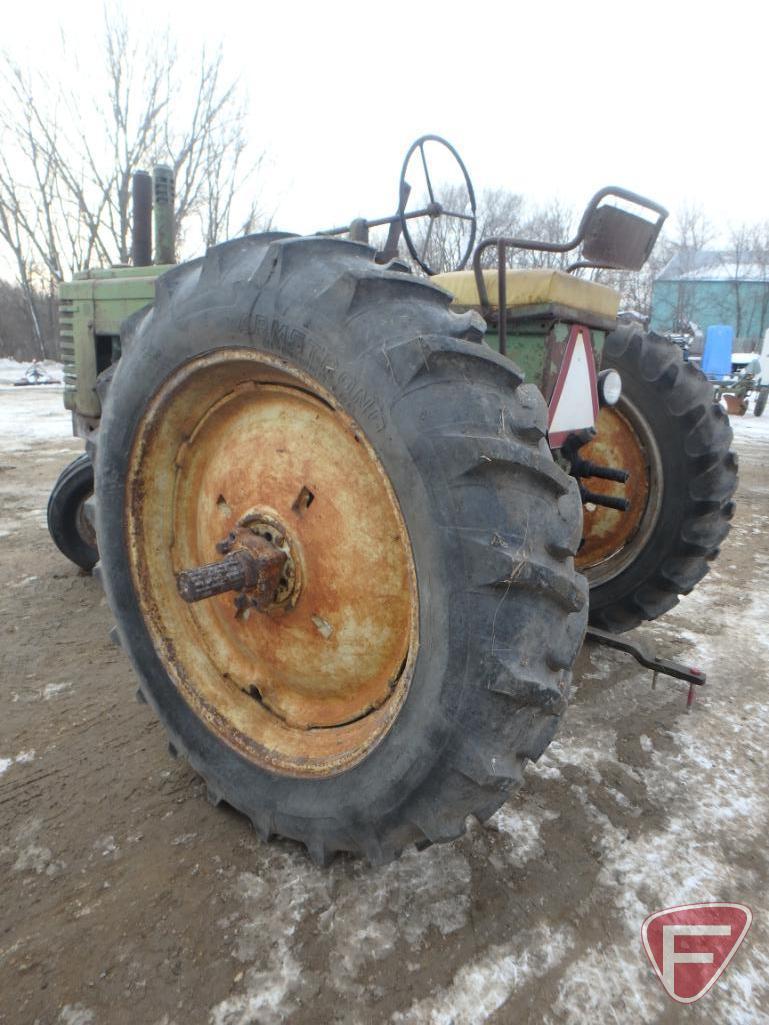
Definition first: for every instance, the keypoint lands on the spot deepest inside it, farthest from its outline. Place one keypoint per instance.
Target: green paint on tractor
(92, 307)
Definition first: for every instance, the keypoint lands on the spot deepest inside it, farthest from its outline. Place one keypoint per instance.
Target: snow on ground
(31, 855)
(30, 419)
(751, 428)
(22, 758)
(11, 370)
(362, 918)
(31, 414)
(486, 983)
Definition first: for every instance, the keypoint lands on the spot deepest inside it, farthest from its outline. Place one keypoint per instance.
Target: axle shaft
(254, 569)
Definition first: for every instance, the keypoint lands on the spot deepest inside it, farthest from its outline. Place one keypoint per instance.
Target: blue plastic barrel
(717, 354)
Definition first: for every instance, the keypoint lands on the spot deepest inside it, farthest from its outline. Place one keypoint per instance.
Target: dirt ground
(126, 897)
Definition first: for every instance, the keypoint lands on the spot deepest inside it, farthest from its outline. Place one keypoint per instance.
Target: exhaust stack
(163, 189)
(141, 238)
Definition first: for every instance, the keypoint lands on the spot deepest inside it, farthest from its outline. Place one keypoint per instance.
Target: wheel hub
(261, 524)
(252, 565)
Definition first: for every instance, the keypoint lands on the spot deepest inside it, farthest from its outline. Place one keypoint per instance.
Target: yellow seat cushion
(532, 288)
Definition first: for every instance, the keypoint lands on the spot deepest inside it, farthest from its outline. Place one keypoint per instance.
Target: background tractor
(351, 520)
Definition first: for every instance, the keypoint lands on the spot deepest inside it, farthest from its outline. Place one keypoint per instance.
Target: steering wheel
(434, 208)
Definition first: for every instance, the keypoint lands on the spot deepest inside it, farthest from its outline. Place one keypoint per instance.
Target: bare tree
(554, 223)
(744, 268)
(760, 249)
(69, 156)
(499, 213)
(24, 316)
(688, 238)
(229, 171)
(735, 268)
(690, 233)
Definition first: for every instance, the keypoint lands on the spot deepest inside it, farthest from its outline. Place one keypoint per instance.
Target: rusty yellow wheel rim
(310, 686)
(614, 539)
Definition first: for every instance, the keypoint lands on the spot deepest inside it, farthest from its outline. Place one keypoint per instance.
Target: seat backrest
(617, 238)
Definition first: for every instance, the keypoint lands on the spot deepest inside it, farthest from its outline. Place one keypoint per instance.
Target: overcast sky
(548, 99)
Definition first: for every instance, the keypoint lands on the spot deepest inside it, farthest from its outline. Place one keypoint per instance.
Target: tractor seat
(532, 288)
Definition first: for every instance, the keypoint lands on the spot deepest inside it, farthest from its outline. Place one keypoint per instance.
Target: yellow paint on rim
(308, 689)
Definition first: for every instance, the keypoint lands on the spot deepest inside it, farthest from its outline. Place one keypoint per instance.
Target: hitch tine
(665, 666)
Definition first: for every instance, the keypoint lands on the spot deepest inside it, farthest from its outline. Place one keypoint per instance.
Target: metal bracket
(665, 666)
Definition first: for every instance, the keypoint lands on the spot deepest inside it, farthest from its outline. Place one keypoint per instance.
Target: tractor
(352, 516)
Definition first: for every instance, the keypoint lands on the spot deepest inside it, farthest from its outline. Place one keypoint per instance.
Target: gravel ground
(127, 898)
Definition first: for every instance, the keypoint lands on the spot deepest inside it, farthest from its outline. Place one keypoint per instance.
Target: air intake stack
(163, 189)
(141, 239)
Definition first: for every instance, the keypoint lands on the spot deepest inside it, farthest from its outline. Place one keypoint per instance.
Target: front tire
(490, 527)
(68, 523)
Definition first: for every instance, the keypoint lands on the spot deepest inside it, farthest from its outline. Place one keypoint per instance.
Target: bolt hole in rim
(614, 539)
(233, 437)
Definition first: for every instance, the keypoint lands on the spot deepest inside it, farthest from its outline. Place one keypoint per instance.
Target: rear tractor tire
(672, 436)
(421, 647)
(68, 522)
